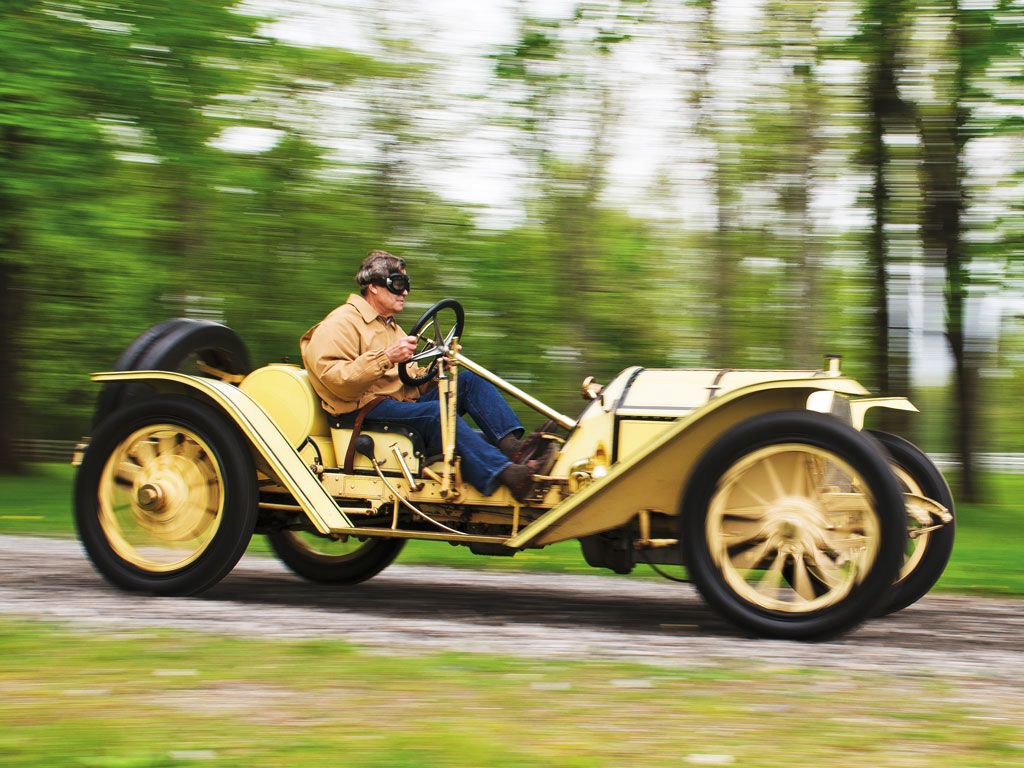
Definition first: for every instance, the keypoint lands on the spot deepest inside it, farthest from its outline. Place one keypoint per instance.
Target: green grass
(989, 542)
(986, 559)
(38, 502)
(147, 699)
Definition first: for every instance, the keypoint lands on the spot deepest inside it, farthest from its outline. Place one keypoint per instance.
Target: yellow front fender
(654, 478)
(861, 405)
(260, 431)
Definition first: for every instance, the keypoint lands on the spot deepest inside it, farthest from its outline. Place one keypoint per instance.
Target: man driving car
(352, 358)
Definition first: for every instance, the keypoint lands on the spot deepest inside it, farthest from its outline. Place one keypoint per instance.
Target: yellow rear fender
(653, 477)
(261, 432)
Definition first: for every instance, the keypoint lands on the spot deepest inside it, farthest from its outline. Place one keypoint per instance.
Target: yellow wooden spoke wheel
(793, 525)
(161, 497)
(791, 528)
(165, 499)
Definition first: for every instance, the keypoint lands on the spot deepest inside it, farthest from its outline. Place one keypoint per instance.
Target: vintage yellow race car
(790, 518)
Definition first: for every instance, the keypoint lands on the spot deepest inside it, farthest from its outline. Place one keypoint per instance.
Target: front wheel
(793, 525)
(166, 498)
(346, 561)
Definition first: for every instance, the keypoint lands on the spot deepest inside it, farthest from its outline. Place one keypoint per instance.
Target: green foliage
(123, 200)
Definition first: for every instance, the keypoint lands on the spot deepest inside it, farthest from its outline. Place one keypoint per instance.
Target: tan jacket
(344, 355)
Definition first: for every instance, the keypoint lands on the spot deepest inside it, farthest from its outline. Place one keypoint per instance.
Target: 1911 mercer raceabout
(792, 521)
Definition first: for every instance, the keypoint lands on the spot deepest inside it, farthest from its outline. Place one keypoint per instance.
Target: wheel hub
(150, 497)
(797, 523)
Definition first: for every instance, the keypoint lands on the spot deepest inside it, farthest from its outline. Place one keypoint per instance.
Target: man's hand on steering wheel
(401, 350)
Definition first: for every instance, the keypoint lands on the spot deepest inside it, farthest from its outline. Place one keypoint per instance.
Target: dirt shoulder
(417, 609)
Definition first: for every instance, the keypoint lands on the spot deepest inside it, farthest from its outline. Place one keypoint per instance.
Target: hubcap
(161, 497)
(792, 528)
(151, 497)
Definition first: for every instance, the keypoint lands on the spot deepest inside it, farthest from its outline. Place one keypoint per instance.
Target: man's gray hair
(376, 266)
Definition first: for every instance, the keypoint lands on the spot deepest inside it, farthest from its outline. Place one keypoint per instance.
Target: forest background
(708, 183)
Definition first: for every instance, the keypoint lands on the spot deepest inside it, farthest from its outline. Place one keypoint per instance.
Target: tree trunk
(723, 348)
(886, 109)
(11, 310)
(942, 143)
(10, 317)
(805, 335)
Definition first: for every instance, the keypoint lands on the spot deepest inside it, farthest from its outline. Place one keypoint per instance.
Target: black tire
(194, 466)
(111, 394)
(173, 346)
(831, 461)
(914, 583)
(311, 557)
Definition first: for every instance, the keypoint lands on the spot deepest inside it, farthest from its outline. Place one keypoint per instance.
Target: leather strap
(350, 454)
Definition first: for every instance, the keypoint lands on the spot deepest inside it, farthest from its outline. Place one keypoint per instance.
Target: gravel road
(412, 609)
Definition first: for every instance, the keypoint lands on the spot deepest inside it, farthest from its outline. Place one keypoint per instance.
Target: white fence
(45, 450)
(1002, 463)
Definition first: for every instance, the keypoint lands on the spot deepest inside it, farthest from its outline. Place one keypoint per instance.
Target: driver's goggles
(397, 282)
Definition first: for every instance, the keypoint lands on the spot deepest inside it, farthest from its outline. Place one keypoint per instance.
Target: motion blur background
(741, 183)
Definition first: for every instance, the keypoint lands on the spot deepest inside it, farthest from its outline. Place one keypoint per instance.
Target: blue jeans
(482, 462)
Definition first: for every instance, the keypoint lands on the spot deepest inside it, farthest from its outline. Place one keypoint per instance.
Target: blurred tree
(973, 37)
(50, 157)
(722, 318)
(880, 38)
(780, 152)
(558, 81)
(110, 114)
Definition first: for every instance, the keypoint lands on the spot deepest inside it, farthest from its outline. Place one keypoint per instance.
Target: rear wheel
(925, 556)
(793, 525)
(165, 498)
(345, 561)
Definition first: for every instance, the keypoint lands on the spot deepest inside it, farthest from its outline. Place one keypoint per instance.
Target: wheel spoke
(127, 472)
(802, 483)
(189, 450)
(826, 570)
(802, 580)
(772, 579)
(143, 451)
(752, 556)
(746, 513)
(738, 532)
(773, 476)
(168, 442)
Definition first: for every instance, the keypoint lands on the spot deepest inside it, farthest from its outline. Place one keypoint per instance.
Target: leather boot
(518, 478)
(510, 445)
